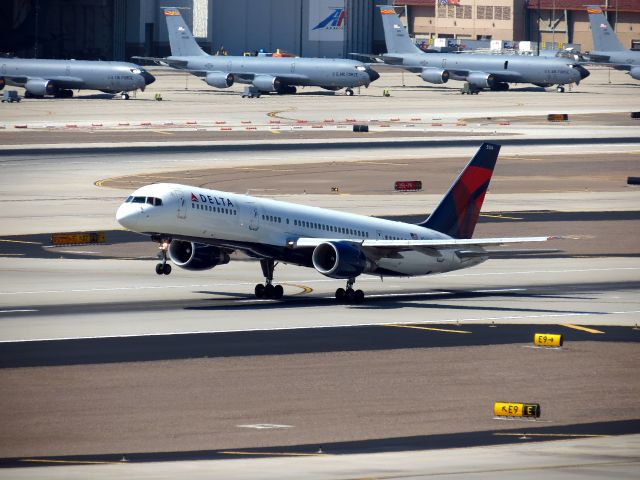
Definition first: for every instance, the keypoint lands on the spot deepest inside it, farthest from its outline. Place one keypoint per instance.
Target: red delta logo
(193, 197)
(333, 21)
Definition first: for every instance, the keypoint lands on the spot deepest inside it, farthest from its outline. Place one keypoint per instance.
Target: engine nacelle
(220, 79)
(267, 83)
(635, 73)
(40, 88)
(433, 75)
(339, 260)
(481, 79)
(2, 83)
(196, 256)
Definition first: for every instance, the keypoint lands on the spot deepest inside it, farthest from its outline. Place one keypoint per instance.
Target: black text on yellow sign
(510, 409)
(77, 238)
(547, 339)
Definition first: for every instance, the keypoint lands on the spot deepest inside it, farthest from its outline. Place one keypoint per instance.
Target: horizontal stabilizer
(170, 62)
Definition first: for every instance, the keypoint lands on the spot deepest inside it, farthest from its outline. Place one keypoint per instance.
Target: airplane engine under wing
(196, 256)
(220, 79)
(481, 79)
(39, 87)
(267, 83)
(635, 73)
(433, 75)
(339, 260)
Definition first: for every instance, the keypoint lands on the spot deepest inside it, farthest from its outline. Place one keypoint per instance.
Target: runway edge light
(547, 339)
(512, 409)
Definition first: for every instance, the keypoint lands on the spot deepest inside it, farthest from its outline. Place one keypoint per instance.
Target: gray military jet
(607, 48)
(59, 78)
(490, 71)
(267, 74)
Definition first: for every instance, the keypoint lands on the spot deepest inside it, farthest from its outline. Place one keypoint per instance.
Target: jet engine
(40, 88)
(220, 79)
(635, 73)
(433, 75)
(2, 83)
(340, 260)
(267, 83)
(196, 256)
(481, 80)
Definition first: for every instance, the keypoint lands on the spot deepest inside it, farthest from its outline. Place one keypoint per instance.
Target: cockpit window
(129, 198)
(138, 200)
(360, 68)
(157, 202)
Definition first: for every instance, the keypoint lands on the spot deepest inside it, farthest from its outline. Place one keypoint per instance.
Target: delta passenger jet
(199, 228)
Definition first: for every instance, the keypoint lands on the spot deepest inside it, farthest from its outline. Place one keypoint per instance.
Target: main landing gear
(268, 290)
(349, 92)
(560, 88)
(350, 295)
(124, 96)
(163, 268)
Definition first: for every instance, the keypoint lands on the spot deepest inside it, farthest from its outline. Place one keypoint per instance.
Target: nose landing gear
(268, 290)
(163, 268)
(349, 295)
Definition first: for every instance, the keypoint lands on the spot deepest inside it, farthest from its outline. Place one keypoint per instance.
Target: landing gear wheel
(358, 297)
(560, 89)
(125, 96)
(349, 295)
(348, 92)
(259, 290)
(278, 291)
(159, 269)
(166, 269)
(340, 295)
(269, 290)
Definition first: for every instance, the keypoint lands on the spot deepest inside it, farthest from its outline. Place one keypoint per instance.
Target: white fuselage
(264, 227)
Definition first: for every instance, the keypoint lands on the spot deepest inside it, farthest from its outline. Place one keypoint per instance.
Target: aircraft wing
(59, 81)
(166, 62)
(384, 248)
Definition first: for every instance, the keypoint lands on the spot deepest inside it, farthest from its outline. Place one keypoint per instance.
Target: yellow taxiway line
(578, 327)
(274, 454)
(427, 328)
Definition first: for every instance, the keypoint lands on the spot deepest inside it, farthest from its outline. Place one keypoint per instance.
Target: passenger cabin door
(182, 204)
(250, 216)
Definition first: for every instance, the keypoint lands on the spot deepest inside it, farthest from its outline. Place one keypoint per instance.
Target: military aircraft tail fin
(395, 35)
(604, 38)
(458, 212)
(180, 37)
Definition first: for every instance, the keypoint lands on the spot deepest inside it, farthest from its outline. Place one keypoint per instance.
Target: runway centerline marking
(23, 310)
(579, 327)
(4, 240)
(510, 434)
(427, 328)
(487, 215)
(70, 462)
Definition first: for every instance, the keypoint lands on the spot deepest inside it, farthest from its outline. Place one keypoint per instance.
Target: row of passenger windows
(331, 228)
(150, 200)
(211, 208)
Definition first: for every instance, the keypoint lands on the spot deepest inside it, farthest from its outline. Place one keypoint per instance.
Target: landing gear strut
(268, 290)
(163, 268)
(350, 295)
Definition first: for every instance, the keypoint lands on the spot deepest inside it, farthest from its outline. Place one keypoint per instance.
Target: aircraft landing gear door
(250, 216)
(182, 204)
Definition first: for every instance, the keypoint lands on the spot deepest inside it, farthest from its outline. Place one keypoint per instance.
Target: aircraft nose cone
(148, 78)
(373, 75)
(127, 216)
(584, 73)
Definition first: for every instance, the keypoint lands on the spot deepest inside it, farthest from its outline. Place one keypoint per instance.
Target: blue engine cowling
(339, 260)
(220, 79)
(267, 83)
(481, 79)
(635, 73)
(196, 256)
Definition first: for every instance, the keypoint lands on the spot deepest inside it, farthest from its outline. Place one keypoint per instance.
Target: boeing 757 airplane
(267, 74)
(59, 78)
(198, 228)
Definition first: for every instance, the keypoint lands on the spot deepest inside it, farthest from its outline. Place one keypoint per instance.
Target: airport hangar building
(119, 29)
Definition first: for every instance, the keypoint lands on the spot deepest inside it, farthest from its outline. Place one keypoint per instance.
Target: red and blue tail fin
(458, 211)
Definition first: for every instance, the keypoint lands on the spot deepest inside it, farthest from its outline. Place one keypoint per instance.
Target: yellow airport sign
(511, 409)
(547, 339)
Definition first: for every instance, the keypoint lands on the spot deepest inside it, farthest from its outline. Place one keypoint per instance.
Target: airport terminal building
(119, 29)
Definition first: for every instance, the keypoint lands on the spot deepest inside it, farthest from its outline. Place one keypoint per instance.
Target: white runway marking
(23, 310)
(308, 327)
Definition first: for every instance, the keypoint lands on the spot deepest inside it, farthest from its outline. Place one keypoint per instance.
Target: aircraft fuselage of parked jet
(492, 71)
(59, 78)
(267, 74)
